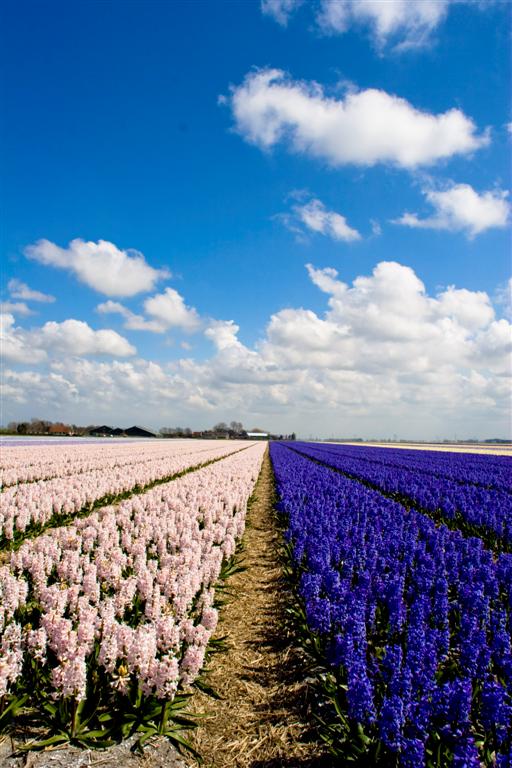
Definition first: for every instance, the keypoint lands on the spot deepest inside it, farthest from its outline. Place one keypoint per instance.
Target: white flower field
(110, 559)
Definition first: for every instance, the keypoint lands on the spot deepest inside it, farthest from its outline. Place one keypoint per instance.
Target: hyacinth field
(403, 570)
(398, 565)
(110, 558)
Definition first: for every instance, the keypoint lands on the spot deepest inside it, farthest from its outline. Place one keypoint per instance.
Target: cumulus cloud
(15, 345)
(132, 321)
(68, 338)
(384, 356)
(169, 309)
(20, 290)
(362, 128)
(16, 308)
(102, 266)
(280, 10)
(75, 337)
(408, 23)
(315, 217)
(459, 208)
(223, 334)
(503, 298)
(166, 310)
(405, 24)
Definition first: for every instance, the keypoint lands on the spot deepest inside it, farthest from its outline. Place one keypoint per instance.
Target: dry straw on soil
(264, 719)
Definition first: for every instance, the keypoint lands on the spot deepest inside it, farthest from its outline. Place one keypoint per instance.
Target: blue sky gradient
(119, 126)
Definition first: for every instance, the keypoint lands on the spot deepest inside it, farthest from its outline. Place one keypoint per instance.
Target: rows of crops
(105, 621)
(70, 483)
(406, 591)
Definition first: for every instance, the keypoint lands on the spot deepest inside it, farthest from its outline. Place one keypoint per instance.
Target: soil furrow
(264, 719)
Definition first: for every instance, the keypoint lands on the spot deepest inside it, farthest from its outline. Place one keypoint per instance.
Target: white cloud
(471, 309)
(376, 228)
(15, 308)
(404, 24)
(166, 310)
(461, 209)
(503, 297)
(75, 337)
(132, 321)
(409, 23)
(362, 128)
(223, 334)
(15, 345)
(19, 290)
(102, 266)
(280, 10)
(383, 357)
(315, 217)
(169, 309)
(69, 338)
(494, 346)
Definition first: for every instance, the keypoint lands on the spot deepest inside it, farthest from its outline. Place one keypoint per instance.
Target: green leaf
(59, 738)
(12, 710)
(207, 689)
(179, 741)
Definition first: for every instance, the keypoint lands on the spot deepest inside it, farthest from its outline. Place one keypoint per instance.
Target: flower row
(479, 469)
(28, 464)
(486, 512)
(414, 621)
(35, 505)
(124, 599)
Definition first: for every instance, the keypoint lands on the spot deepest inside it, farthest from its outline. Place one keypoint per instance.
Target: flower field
(105, 621)
(112, 566)
(41, 492)
(403, 578)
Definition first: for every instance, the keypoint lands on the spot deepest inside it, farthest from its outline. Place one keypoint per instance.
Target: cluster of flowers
(127, 591)
(486, 512)
(33, 505)
(28, 464)
(414, 619)
(486, 470)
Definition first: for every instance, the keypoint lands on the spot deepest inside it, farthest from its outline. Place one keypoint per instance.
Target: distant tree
(236, 426)
(170, 431)
(221, 427)
(23, 428)
(39, 426)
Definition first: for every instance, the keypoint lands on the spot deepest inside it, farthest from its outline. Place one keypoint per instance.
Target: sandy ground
(492, 450)
(159, 754)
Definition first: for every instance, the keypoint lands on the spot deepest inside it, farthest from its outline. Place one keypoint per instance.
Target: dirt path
(263, 720)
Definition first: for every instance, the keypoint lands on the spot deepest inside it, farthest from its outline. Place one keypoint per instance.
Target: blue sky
(231, 144)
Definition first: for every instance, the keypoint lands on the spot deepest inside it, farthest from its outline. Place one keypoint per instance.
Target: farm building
(258, 435)
(103, 431)
(136, 431)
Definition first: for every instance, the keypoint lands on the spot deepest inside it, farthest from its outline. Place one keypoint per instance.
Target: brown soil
(264, 718)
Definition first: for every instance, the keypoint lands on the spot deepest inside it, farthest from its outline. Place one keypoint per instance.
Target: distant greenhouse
(258, 435)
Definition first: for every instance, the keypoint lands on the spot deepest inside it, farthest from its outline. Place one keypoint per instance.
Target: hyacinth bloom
(41, 491)
(475, 493)
(415, 617)
(130, 587)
